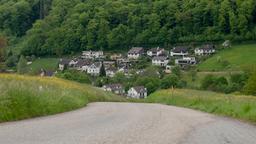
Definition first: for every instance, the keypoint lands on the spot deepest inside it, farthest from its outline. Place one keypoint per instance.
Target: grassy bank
(241, 107)
(237, 57)
(24, 97)
(43, 63)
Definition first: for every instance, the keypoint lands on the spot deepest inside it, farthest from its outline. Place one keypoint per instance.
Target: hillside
(236, 106)
(24, 97)
(57, 27)
(236, 58)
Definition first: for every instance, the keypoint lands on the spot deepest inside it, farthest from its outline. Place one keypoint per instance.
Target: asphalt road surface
(126, 123)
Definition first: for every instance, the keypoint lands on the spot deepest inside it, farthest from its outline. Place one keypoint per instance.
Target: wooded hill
(57, 27)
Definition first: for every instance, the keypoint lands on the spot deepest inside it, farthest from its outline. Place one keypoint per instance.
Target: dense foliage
(65, 26)
(234, 83)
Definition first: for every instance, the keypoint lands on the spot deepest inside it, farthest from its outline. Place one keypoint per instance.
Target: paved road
(116, 123)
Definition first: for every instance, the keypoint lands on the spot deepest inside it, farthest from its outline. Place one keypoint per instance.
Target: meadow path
(127, 123)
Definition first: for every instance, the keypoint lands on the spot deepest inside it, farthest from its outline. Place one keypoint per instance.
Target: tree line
(58, 27)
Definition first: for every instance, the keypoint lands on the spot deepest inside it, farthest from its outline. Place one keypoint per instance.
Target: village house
(124, 70)
(185, 61)
(114, 88)
(135, 53)
(160, 61)
(109, 63)
(123, 62)
(116, 56)
(139, 92)
(92, 54)
(73, 62)
(94, 69)
(179, 51)
(63, 64)
(82, 65)
(205, 50)
(110, 71)
(47, 73)
(155, 52)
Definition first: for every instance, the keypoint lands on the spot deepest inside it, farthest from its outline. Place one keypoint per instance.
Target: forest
(61, 27)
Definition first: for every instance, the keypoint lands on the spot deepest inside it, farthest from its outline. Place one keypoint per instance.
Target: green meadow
(25, 97)
(236, 106)
(45, 63)
(235, 58)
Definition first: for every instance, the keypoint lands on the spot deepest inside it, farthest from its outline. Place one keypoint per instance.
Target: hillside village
(97, 63)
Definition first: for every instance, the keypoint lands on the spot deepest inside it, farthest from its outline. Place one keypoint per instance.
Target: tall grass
(241, 107)
(24, 97)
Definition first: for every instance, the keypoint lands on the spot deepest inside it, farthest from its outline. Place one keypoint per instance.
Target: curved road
(126, 123)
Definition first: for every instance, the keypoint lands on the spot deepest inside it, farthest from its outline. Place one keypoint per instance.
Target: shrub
(152, 84)
(11, 61)
(177, 71)
(250, 87)
(169, 81)
(74, 76)
(219, 84)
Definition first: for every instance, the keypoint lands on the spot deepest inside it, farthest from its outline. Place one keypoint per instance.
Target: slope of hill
(239, 56)
(57, 27)
(24, 97)
(237, 106)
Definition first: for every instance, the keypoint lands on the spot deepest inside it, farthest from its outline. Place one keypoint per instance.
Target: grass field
(25, 97)
(241, 107)
(196, 84)
(45, 63)
(238, 56)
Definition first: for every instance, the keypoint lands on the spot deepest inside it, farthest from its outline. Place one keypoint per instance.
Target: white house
(205, 50)
(94, 69)
(73, 62)
(179, 51)
(115, 88)
(63, 63)
(138, 92)
(186, 61)
(110, 71)
(124, 70)
(155, 52)
(82, 65)
(92, 54)
(160, 61)
(135, 53)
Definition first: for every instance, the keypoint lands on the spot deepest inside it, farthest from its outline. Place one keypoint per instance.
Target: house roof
(82, 62)
(96, 64)
(140, 89)
(47, 73)
(207, 47)
(136, 50)
(160, 58)
(111, 68)
(114, 86)
(180, 49)
(64, 61)
(155, 50)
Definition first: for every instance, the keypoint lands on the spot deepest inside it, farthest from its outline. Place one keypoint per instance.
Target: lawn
(235, 58)
(25, 97)
(241, 107)
(45, 63)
